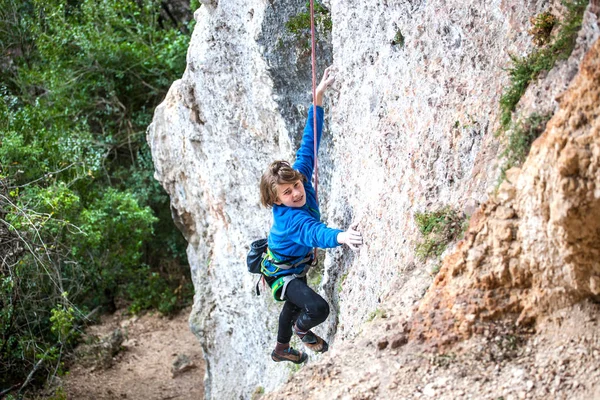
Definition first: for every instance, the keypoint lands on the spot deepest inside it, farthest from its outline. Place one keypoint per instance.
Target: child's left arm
(352, 237)
(313, 233)
(310, 232)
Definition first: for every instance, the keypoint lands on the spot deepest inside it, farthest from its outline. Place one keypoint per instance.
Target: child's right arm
(326, 81)
(305, 155)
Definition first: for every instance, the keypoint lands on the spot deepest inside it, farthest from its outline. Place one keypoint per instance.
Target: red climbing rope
(314, 90)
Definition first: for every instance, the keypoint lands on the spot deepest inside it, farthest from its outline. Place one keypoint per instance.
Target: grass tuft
(258, 393)
(315, 276)
(520, 137)
(526, 69)
(438, 229)
(341, 281)
(378, 313)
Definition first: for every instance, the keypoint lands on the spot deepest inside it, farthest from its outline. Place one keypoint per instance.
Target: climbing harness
(285, 271)
(264, 261)
(274, 266)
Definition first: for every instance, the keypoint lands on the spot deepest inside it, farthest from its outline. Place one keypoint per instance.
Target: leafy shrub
(79, 81)
(299, 25)
(152, 289)
(398, 39)
(62, 322)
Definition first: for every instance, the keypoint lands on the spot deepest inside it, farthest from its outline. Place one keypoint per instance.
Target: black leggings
(304, 306)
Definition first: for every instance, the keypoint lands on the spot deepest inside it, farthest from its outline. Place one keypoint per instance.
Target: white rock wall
(409, 128)
(414, 129)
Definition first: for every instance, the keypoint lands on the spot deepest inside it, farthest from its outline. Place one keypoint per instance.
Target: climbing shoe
(289, 354)
(314, 342)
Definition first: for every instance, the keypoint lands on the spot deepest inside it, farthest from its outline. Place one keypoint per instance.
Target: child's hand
(352, 237)
(326, 81)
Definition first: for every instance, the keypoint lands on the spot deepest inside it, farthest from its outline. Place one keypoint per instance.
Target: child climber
(296, 230)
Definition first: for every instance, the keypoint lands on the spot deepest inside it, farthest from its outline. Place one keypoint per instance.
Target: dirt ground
(559, 362)
(142, 369)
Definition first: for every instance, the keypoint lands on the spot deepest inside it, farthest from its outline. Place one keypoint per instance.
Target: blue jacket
(296, 231)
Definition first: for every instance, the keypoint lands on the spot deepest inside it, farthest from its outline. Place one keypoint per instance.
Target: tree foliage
(79, 82)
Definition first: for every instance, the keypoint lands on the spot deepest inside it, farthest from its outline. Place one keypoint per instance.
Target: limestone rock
(410, 125)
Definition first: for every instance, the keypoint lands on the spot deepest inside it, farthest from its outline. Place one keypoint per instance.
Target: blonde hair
(279, 172)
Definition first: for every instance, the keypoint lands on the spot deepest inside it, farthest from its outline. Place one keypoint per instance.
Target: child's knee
(321, 309)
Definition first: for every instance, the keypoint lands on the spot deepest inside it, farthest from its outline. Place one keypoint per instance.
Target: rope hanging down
(314, 90)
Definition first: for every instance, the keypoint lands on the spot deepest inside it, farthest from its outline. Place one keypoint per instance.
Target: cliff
(410, 127)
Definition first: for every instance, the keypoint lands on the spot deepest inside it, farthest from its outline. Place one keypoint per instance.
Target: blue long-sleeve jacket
(296, 231)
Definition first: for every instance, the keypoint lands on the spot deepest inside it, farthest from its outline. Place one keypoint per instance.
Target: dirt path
(143, 368)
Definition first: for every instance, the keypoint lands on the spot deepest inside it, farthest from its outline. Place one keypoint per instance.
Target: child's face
(291, 194)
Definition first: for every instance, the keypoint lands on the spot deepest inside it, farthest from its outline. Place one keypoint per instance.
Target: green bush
(151, 290)
(299, 24)
(62, 322)
(398, 39)
(78, 85)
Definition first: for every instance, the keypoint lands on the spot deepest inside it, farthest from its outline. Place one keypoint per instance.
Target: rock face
(410, 127)
(522, 259)
(534, 247)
